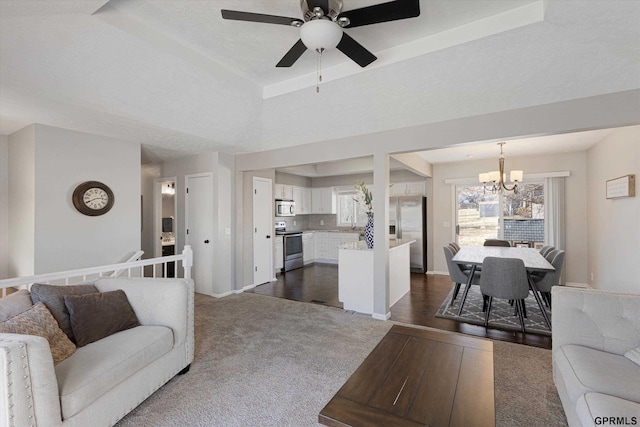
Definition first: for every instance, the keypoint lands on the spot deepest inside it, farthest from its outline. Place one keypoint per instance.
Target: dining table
(532, 259)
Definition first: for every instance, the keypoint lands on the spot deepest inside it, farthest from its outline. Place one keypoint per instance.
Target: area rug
(502, 313)
(264, 361)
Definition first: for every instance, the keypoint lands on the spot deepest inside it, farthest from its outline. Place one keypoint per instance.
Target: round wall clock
(93, 198)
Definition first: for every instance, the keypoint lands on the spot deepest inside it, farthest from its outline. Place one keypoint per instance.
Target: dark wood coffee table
(417, 377)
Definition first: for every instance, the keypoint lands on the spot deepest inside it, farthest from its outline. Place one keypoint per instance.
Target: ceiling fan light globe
(320, 34)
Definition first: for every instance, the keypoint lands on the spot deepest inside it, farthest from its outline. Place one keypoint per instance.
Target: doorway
(165, 230)
(262, 230)
(199, 229)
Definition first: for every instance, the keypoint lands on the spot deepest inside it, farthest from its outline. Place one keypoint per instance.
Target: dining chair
(546, 249)
(458, 274)
(497, 242)
(504, 278)
(455, 245)
(550, 278)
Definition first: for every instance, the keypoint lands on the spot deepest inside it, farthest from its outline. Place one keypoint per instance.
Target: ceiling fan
(322, 26)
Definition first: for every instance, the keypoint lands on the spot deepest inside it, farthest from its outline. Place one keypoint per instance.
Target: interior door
(262, 230)
(199, 229)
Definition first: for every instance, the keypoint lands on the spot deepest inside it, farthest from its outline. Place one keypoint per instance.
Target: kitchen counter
(355, 274)
(362, 245)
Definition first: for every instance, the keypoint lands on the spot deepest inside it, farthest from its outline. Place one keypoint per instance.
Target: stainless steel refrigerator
(408, 221)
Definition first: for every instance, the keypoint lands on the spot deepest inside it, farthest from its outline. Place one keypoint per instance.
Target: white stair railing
(132, 269)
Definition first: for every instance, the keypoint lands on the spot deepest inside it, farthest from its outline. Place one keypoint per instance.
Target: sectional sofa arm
(603, 320)
(159, 302)
(28, 385)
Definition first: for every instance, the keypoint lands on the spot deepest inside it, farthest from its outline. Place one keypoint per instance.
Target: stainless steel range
(292, 247)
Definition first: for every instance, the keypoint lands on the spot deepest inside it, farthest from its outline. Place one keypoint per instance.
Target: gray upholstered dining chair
(504, 278)
(497, 242)
(455, 245)
(550, 278)
(546, 249)
(458, 274)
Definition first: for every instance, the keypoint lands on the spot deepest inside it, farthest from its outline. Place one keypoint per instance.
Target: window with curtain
(519, 218)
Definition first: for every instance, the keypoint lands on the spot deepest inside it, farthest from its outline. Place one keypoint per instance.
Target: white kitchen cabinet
(327, 243)
(308, 248)
(306, 200)
(302, 199)
(278, 254)
(323, 201)
(415, 188)
(282, 191)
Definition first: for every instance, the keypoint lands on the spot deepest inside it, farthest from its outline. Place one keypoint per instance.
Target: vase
(368, 232)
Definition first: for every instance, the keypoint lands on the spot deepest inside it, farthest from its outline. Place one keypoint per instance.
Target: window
(350, 213)
(515, 217)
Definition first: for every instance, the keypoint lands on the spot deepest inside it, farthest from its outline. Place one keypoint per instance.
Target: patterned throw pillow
(53, 297)
(14, 303)
(39, 321)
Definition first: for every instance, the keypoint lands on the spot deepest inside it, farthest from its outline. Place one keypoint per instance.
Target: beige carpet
(263, 361)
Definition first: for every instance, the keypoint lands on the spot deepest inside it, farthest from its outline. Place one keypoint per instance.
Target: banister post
(187, 263)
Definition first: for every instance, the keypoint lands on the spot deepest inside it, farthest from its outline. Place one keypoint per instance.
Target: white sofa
(102, 381)
(592, 330)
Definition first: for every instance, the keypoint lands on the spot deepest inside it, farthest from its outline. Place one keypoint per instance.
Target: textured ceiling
(174, 76)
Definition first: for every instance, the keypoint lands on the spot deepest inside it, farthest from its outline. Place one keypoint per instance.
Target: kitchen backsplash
(312, 222)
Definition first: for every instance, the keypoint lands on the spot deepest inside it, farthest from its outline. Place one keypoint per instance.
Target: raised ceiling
(174, 76)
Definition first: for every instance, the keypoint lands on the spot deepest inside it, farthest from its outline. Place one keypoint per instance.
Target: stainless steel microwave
(285, 208)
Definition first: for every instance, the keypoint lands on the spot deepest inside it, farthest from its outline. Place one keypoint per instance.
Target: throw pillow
(53, 297)
(95, 316)
(14, 303)
(633, 355)
(38, 321)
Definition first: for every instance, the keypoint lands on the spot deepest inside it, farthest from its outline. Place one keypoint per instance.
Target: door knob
(268, 236)
(206, 241)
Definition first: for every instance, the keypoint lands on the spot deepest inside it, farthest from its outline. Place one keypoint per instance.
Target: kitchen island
(355, 274)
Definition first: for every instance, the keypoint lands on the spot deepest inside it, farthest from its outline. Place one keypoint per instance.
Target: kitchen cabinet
(302, 198)
(278, 254)
(327, 243)
(323, 201)
(284, 192)
(308, 248)
(415, 188)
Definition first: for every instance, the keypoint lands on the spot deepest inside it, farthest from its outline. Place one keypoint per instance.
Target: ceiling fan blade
(355, 51)
(383, 12)
(258, 17)
(292, 56)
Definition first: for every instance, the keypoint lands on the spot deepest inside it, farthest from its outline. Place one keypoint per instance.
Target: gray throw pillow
(96, 316)
(14, 304)
(53, 297)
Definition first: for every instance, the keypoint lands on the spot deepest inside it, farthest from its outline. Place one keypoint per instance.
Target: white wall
(614, 224)
(575, 202)
(4, 206)
(148, 173)
(64, 238)
(223, 170)
(21, 202)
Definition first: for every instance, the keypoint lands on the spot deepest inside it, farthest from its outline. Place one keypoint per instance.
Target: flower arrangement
(364, 198)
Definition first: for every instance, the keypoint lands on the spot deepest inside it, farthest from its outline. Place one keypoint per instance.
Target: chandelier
(496, 179)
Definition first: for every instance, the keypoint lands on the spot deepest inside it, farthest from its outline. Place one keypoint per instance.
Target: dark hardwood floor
(318, 283)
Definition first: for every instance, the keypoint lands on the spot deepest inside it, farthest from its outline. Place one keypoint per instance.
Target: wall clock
(93, 198)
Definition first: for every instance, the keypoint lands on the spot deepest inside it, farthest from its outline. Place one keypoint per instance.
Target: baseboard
(381, 316)
(577, 285)
(224, 294)
(246, 288)
(444, 273)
